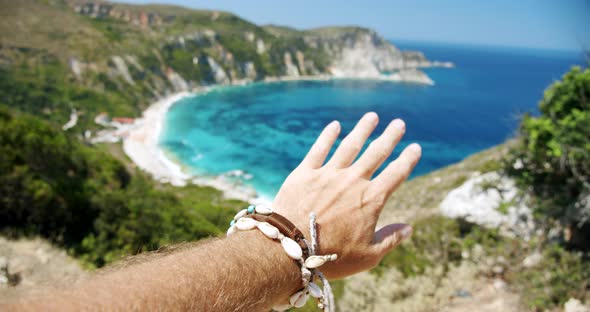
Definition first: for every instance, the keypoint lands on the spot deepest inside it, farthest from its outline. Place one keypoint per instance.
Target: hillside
(98, 56)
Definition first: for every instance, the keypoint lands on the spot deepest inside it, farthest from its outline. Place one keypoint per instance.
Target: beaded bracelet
(296, 247)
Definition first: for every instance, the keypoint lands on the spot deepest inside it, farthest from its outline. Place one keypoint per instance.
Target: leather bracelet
(286, 227)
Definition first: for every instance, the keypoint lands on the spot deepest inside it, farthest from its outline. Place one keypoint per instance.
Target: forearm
(243, 272)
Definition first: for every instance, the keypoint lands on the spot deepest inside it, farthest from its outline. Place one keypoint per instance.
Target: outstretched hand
(345, 196)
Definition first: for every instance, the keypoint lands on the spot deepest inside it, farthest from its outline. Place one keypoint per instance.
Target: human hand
(345, 199)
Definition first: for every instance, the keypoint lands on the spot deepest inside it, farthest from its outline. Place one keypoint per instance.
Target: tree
(552, 159)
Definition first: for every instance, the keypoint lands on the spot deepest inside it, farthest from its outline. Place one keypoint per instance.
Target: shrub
(85, 200)
(559, 276)
(552, 159)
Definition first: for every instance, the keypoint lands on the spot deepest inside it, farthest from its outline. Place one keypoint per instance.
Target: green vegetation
(552, 161)
(442, 242)
(86, 201)
(41, 85)
(560, 275)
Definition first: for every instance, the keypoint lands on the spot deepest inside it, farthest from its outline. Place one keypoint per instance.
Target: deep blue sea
(265, 129)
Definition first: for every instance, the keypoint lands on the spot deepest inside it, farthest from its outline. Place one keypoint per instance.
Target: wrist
(276, 227)
(281, 272)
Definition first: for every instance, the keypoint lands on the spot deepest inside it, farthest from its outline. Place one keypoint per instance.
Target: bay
(265, 129)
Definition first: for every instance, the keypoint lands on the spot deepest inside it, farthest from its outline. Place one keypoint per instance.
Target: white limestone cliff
(290, 68)
(219, 74)
(122, 69)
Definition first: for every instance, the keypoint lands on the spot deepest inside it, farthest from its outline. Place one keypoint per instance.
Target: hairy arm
(243, 272)
(249, 272)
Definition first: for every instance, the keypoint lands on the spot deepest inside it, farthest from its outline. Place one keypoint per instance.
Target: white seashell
(299, 298)
(263, 210)
(305, 273)
(291, 248)
(241, 213)
(315, 261)
(268, 230)
(304, 282)
(231, 230)
(333, 257)
(245, 224)
(281, 307)
(314, 290)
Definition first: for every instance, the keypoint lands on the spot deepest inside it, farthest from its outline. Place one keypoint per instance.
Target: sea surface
(265, 129)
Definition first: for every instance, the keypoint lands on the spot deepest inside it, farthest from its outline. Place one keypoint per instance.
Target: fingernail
(415, 147)
(372, 116)
(399, 124)
(406, 231)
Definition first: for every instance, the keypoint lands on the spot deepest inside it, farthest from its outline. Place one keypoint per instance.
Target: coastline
(141, 144)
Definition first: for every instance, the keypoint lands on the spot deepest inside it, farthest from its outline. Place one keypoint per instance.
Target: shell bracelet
(297, 247)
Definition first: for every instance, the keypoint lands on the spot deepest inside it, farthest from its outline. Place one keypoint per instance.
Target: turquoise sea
(265, 129)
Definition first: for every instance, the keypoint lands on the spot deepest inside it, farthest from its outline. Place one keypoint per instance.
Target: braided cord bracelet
(277, 227)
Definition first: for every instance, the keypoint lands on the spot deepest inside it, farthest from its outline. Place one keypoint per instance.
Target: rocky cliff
(135, 53)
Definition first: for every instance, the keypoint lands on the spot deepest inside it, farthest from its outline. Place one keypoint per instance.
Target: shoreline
(141, 144)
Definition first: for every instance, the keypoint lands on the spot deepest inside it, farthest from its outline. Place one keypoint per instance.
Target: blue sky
(553, 24)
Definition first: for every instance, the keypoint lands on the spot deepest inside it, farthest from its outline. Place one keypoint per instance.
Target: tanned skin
(249, 272)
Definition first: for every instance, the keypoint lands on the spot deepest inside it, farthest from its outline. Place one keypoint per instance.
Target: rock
(462, 294)
(122, 69)
(260, 48)
(249, 36)
(415, 59)
(249, 70)
(478, 204)
(133, 61)
(3, 263)
(499, 284)
(178, 83)
(411, 75)
(465, 254)
(498, 269)
(532, 260)
(76, 67)
(360, 54)
(300, 62)
(42, 255)
(575, 305)
(290, 68)
(219, 74)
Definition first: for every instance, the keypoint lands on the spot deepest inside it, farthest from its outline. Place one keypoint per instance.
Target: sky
(549, 24)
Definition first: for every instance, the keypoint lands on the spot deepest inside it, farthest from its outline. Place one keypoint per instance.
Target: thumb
(389, 236)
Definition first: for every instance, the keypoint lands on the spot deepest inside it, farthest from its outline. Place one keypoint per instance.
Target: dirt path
(32, 264)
